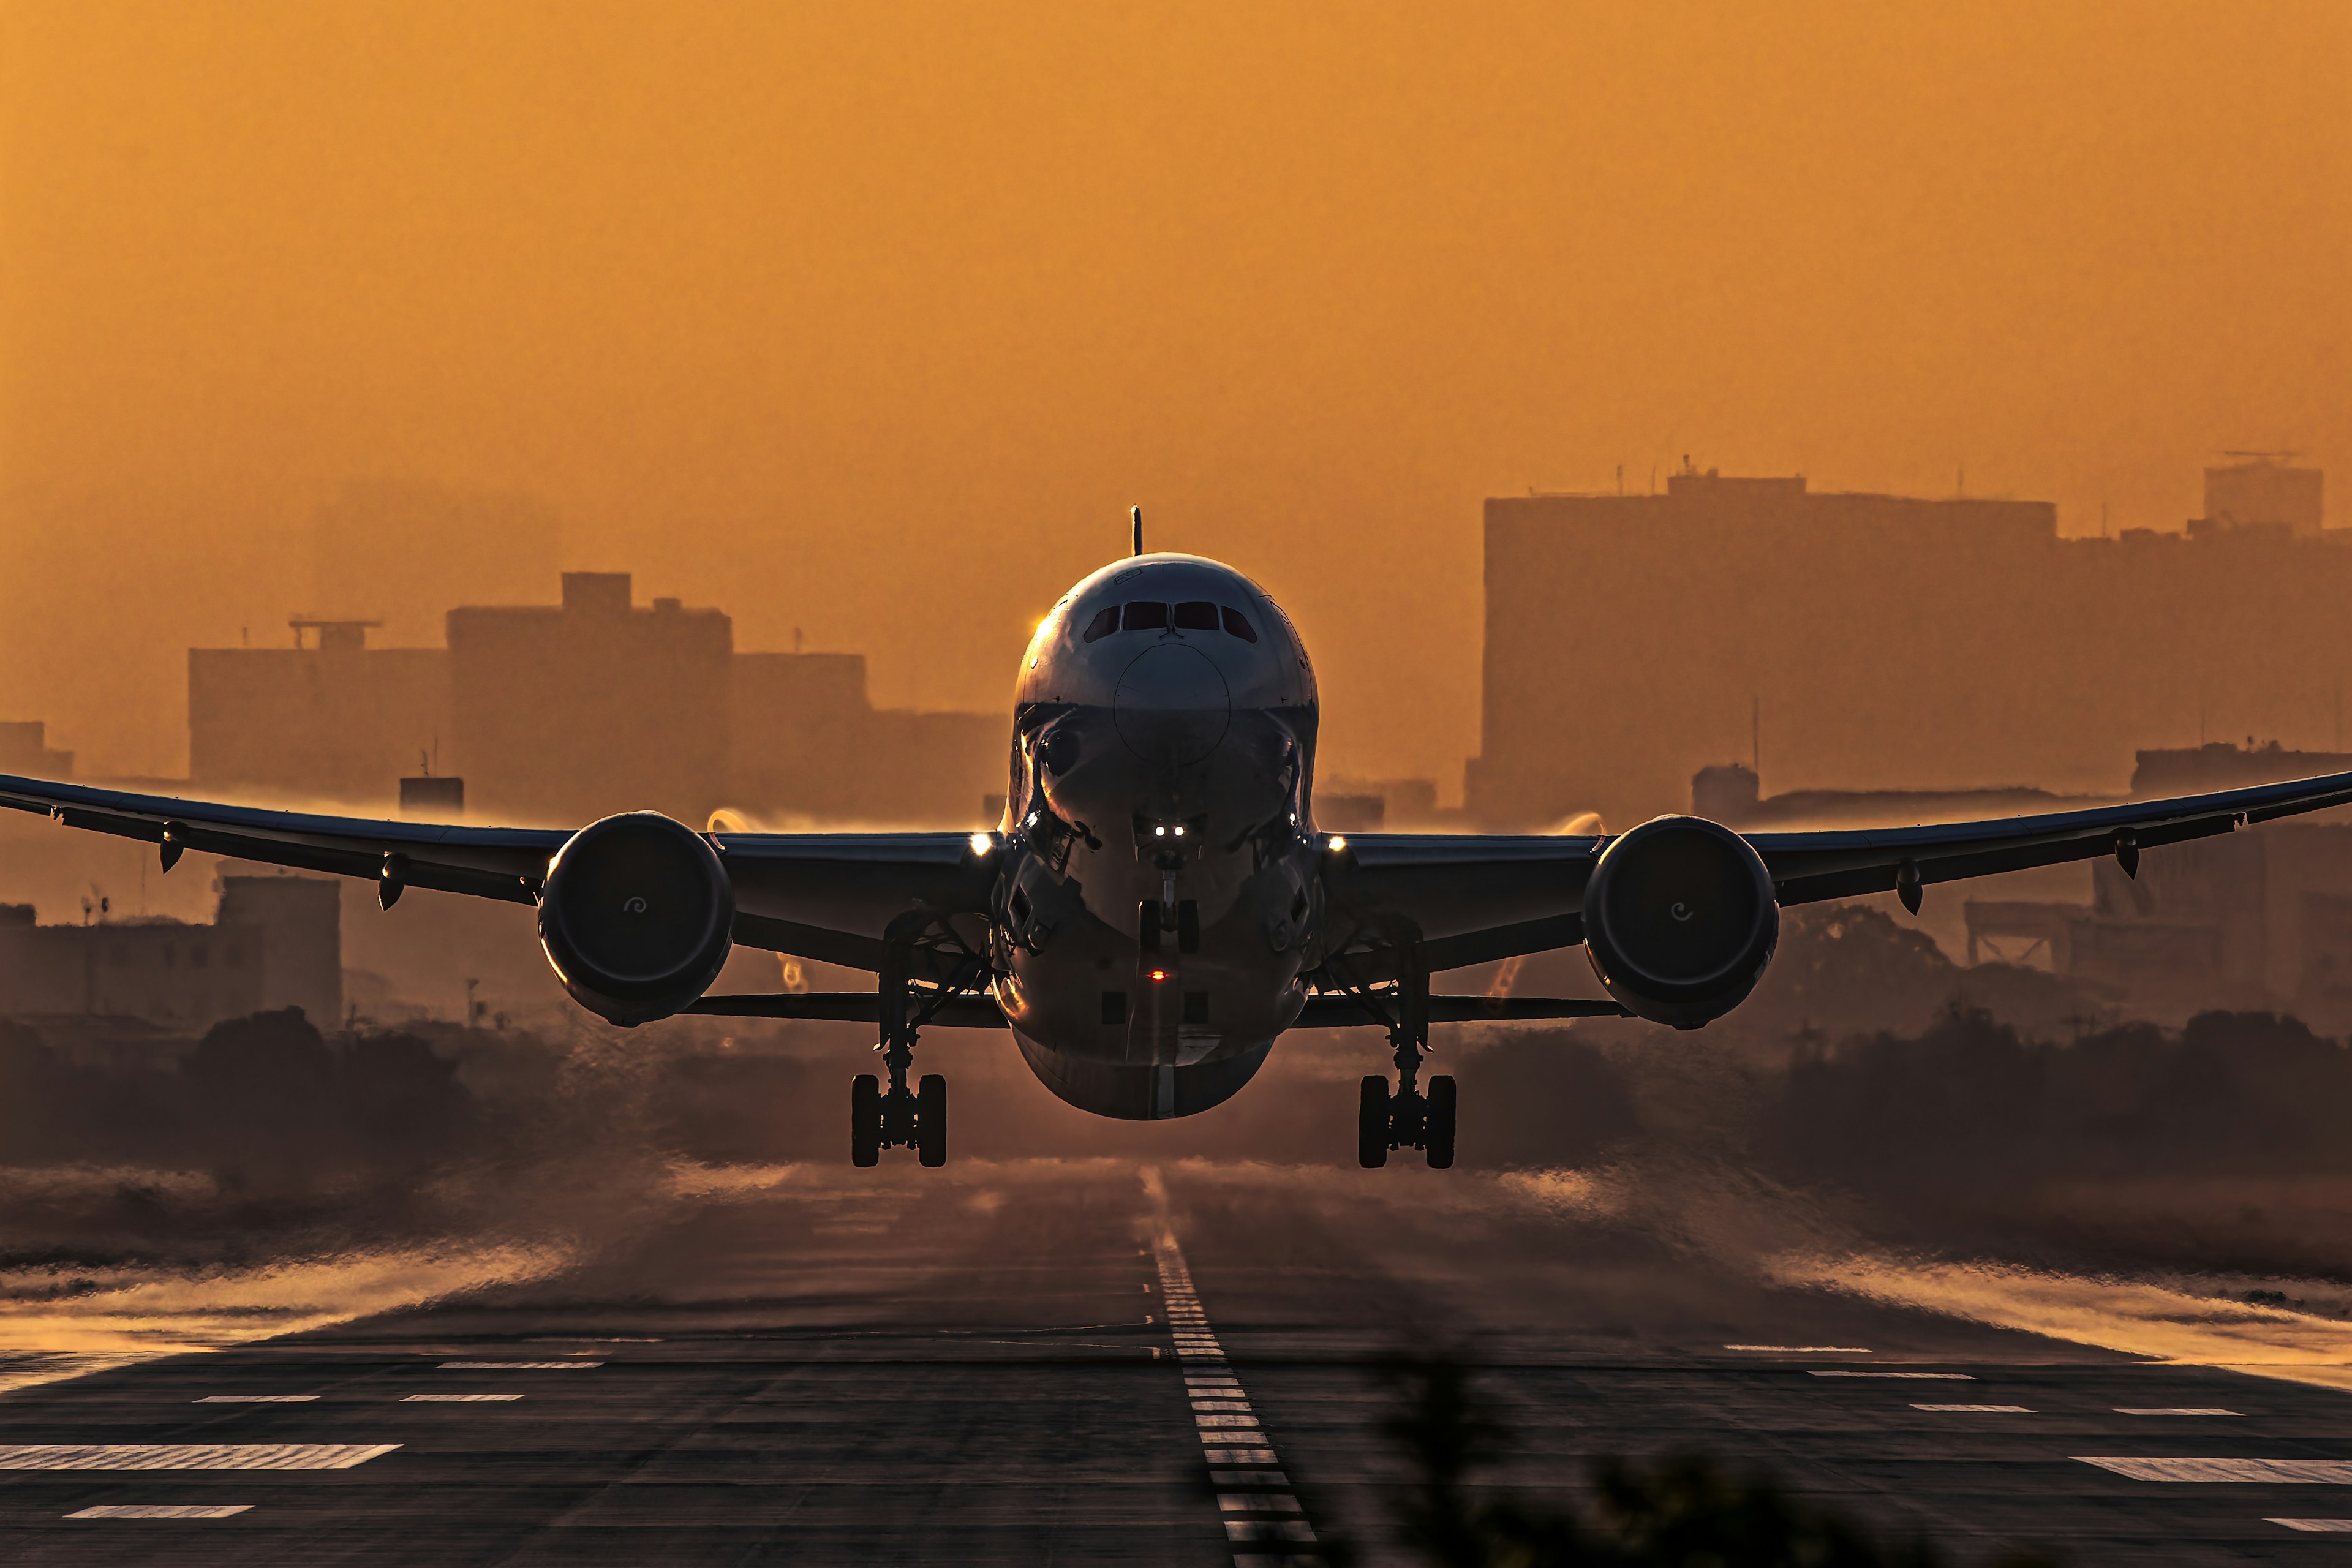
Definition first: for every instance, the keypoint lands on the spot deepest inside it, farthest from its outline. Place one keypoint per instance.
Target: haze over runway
(795, 1363)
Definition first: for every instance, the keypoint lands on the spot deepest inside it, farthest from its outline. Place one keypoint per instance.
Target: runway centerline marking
(1806, 1350)
(2005, 1409)
(2288, 1472)
(170, 1510)
(1230, 1434)
(519, 1365)
(2334, 1524)
(189, 1456)
(256, 1399)
(457, 1398)
(2180, 1410)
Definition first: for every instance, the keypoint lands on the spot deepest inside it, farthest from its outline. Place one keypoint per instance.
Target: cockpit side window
(1147, 617)
(1198, 616)
(1106, 622)
(1238, 625)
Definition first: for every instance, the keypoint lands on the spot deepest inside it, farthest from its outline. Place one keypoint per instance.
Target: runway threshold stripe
(166, 1510)
(2291, 1472)
(1231, 1437)
(189, 1456)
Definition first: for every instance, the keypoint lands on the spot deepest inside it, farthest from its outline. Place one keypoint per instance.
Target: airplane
(1157, 906)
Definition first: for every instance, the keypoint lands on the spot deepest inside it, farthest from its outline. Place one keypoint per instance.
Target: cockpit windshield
(1149, 616)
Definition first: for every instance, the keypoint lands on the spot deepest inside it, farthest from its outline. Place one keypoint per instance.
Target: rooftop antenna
(1135, 517)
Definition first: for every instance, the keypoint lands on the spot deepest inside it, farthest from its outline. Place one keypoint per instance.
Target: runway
(979, 1365)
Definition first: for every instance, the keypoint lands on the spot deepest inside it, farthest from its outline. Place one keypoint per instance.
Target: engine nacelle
(1680, 921)
(636, 916)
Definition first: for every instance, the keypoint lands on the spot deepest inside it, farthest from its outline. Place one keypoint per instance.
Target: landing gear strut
(1405, 1117)
(896, 1118)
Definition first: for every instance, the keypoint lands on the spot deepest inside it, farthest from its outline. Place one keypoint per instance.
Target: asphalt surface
(979, 1365)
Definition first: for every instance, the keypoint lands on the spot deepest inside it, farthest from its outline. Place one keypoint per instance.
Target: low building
(25, 751)
(275, 941)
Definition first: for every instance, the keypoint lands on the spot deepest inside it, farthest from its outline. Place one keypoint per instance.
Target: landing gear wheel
(932, 1121)
(1372, 1123)
(865, 1120)
(1437, 1122)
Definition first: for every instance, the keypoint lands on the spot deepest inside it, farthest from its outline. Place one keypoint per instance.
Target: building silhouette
(1877, 643)
(275, 941)
(562, 713)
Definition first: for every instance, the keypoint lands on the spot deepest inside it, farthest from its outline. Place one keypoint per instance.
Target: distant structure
(25, 751)
(275, 942)
(327, 718)
(2257, 919)
(2263, 489)
(1731, 795)
(1878, 640)
(563, 712)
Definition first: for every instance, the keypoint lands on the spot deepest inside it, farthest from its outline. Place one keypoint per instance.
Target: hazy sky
(872, 319)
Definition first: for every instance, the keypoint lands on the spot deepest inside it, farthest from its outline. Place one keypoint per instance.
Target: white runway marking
(519, 1365)
(1948, 1376)
(456, 1398)
(2306, 1472)
(2005, 1409)
(189, 1456)
(2334, 1524)
(1805, 1350)
(170, 1510)
(1224, 1422)
(256, 1399)
(2181, 1410)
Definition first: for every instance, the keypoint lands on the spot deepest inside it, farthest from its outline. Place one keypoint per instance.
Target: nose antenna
(1135, 516)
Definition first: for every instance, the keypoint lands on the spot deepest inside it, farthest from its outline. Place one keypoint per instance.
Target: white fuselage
(1160, 902)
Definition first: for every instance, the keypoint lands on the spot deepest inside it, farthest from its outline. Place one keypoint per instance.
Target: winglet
(1135, 516)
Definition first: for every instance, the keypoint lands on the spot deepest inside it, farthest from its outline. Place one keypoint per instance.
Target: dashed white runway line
(189, 1456)
(257, 1399)
(2333, 1524)
(1236, 1450)
(162, 1510)
(1804, 1350)
(1989, 1409)
(458, 1398)
(2291, 1472)
(2177, 1410)
(1943, 1376)
(519, 1365)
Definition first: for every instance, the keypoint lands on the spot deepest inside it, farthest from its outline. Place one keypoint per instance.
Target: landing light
(1158, 833)
(1158, 975)
(1179, 833)
(982, 843)
(1339, 842)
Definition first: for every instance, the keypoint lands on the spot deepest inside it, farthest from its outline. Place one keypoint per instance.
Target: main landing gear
(1405, 1117)
(896, 1118)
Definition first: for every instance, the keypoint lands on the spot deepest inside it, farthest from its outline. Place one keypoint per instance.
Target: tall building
(325, 717)
(2263, 489)
(559, 713)
(1877, 643)
(564, 713)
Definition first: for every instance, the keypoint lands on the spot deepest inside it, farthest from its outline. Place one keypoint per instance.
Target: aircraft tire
(932, 1121)
(865, 1120)
(1372, 1123)
(1437, 1122)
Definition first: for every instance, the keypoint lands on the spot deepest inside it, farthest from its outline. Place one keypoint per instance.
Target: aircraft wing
(822, 896)
(1474, 899)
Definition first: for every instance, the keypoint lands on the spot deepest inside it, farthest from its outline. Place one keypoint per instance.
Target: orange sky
(873, 318)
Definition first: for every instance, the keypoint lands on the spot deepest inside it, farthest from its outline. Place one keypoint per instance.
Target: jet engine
(636, 916)
(1680, 921)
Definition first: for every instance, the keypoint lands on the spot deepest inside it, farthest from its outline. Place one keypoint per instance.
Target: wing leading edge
(1474, 899)
(829, 896)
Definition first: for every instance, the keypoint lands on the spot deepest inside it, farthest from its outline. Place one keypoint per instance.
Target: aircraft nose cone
(1172, 705)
